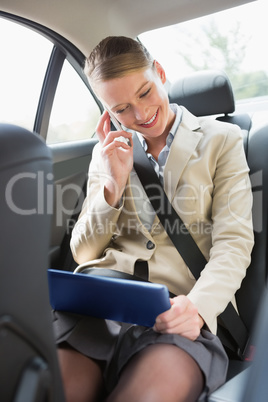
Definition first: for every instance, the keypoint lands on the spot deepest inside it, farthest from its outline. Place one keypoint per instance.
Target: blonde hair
(116, 56)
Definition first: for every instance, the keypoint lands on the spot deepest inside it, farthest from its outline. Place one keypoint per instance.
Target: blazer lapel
(131, 207)
(183, 146)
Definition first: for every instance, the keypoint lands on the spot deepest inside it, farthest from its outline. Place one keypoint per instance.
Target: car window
(232, 40)
(24, 59)
(74, 113)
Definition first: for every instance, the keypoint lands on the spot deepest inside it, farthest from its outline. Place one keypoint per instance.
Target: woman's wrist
(112, 197)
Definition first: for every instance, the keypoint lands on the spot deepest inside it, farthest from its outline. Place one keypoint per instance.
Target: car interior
(39, 237)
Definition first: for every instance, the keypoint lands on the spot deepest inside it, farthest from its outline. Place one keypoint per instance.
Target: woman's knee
(160, 372)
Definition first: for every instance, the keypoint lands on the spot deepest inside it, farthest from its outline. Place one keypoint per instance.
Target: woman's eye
(145, 93)
(120, 111)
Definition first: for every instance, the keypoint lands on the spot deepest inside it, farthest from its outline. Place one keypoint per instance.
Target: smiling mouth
(151, 122)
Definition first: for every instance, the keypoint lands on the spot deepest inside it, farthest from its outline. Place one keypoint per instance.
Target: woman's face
(139, 101)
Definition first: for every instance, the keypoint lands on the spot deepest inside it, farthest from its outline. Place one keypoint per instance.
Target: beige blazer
(206, 179)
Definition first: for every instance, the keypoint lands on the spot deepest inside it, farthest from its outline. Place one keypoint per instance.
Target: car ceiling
(86, 22)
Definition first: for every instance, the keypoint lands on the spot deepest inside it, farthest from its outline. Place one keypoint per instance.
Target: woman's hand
(182, 319)
(117, 158)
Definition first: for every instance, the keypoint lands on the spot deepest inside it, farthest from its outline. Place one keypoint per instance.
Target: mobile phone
(115, 122)
(118, 127)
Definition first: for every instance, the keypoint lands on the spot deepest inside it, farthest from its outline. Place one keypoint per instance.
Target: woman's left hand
(182, 319)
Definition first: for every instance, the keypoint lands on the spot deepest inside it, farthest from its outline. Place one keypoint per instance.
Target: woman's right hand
(117, 159)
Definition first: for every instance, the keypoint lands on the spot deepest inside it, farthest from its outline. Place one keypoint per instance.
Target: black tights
(158, 373)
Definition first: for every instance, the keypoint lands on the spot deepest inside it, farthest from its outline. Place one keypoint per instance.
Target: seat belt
(183, 240)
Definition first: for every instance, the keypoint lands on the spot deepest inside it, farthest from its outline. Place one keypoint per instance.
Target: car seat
(255, 379)
(29, 368)
(207, 93)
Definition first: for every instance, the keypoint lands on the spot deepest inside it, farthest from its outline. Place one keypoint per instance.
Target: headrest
(204, 93)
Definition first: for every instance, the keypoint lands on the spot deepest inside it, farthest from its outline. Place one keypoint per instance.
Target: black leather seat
(29, 368)
(207, 93)
(255, 387)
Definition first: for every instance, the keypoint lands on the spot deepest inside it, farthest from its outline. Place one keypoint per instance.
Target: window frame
(62, 50)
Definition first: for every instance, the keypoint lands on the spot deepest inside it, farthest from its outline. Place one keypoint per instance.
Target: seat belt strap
(167, 215)
(182, 239)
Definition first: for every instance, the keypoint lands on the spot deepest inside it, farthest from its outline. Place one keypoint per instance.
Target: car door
(44, 89)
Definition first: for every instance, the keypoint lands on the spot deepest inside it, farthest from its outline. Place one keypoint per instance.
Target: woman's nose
(141, 114)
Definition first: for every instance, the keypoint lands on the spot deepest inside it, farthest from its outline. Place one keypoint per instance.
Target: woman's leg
(160, 372)
(82, 377)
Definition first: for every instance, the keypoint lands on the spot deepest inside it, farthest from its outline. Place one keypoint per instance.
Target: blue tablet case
(115, 299)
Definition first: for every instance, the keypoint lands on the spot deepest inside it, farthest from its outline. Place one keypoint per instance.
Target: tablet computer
(111, 298)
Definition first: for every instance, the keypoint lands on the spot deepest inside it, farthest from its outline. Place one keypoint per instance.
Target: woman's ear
(160, 71)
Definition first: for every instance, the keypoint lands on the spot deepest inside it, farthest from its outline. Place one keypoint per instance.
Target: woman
(201, 164)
